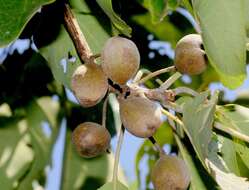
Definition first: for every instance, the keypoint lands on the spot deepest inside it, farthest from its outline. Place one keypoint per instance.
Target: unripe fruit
(91, 139)
(170, 173)
(140, 116)
(120, 59)
(89, 84)
(189, 56)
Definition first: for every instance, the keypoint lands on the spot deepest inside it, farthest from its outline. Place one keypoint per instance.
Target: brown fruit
(140, 116)
(89, 84)
(170, 173)
(120, 59)
(91, 139)
(189, 55)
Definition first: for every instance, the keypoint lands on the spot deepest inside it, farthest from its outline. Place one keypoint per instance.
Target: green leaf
(14, 15)
(198, 116)
(247, 15)
(157, 9)
(224, 42)
(16, 156)
(236, 117)
(57, 52)
(118, 23)
(109, 186)
(165, 31)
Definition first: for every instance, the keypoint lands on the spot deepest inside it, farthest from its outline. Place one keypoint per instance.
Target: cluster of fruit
(140, 115)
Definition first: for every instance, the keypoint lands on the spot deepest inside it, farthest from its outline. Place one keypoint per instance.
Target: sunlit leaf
(14, 15)
(224, 42)
(118, 23)
(157, 9)
(16, 156)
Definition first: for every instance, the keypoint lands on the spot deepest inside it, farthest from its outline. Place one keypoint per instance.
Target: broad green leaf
(118, 23)
(57, 52)
(247, 16)
(224, 42)
(14, 15)
(16, 156)
(109, 186)
(198, 115)
(228, 152)
(165, 31)
(157, 9)
(196, 181)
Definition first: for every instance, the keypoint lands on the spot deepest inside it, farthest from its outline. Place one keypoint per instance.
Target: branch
(77, 36)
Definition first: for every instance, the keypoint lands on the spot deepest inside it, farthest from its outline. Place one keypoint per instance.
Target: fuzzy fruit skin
(90, 139)
(89, 84)
(140, 116)
(120, 59)
(189, 57)
(170, 173)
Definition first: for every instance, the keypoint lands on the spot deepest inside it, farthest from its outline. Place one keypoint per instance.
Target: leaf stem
(231, 132)
(104, 111)
(76, 34)
(173, 117)
(117, 156)
(158, 72)
(170, 81)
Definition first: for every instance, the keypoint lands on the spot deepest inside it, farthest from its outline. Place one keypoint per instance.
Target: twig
(158, 72)
(170, 80)
(77, 36)
(231, 132)
(173, 117)
(156, 145)
(117, 156)
(104, 111)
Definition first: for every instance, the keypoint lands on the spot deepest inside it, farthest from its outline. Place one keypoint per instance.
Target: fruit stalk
(76, 34)
(158, 72)
(117, 156)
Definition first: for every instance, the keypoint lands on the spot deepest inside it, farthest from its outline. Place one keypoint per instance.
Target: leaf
(227, 181)
(157, 9)
(118, 23)
(109, 186)
(16, 157)
(198, 115)
(224, 42)
(165, 31)
(14, 15)
(247, 15)
(56, 53)
(236, 117)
